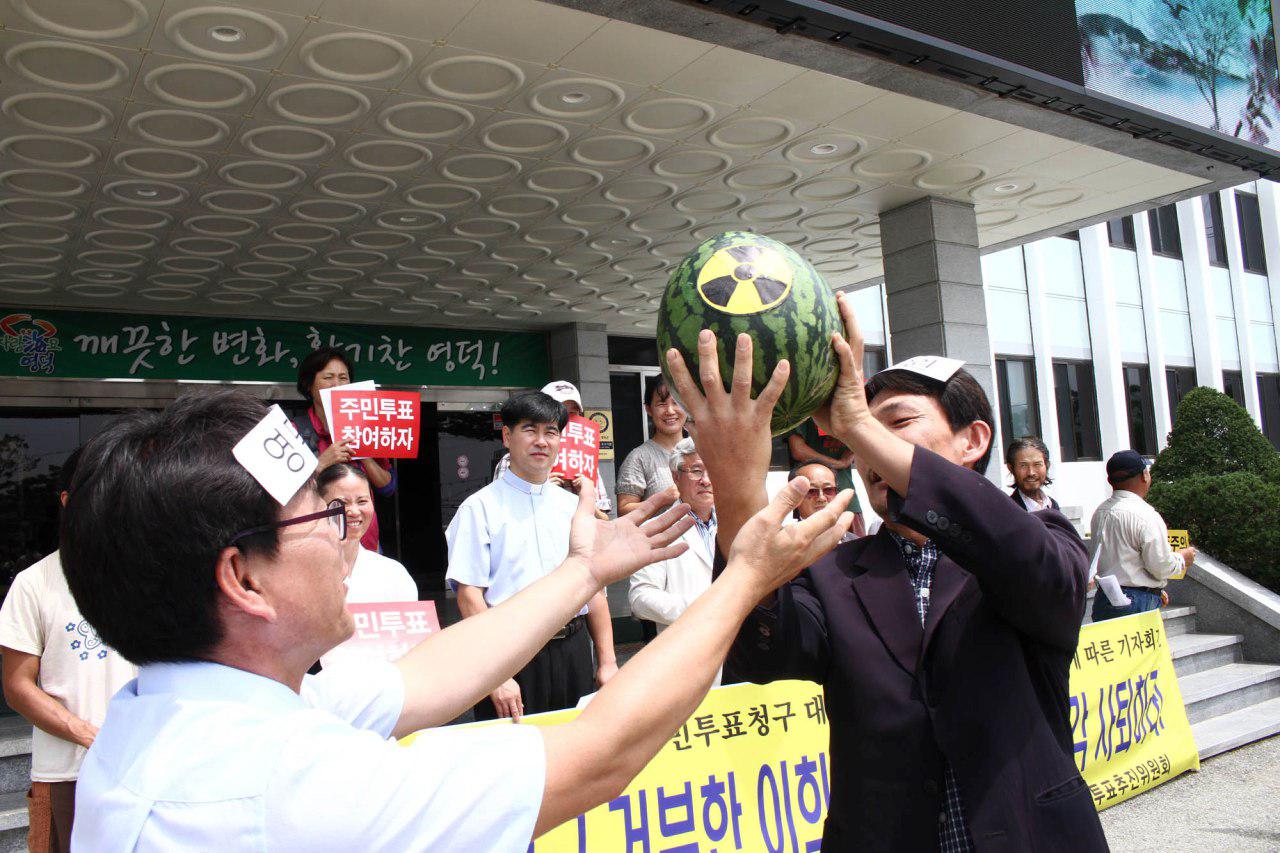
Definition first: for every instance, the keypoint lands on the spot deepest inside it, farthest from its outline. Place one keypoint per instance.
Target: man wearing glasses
(185, 564)
(822, 491)
(663, 591)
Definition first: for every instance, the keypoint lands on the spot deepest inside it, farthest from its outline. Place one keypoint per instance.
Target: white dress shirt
(1131, 542)
(508, 535)
(200, 756)
(377, 578)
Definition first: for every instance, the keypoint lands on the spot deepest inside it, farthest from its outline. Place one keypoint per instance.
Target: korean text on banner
(1128, 724)
(386, 630)
(749, 771)
(579, 450)
(379, 424)
(1179, 539)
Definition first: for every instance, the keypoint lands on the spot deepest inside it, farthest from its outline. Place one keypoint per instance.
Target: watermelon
(744, 282)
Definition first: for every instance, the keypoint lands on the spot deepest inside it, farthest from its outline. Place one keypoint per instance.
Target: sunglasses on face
(828, 492)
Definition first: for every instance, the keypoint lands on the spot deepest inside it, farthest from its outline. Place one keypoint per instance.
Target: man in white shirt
(513, 532)
(187, 566)
(60, 676)
(566, 393)
(1130, 541)
(662, 591)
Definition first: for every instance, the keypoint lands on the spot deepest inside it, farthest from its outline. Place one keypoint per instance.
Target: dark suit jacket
(983, 685)
(1017, 498)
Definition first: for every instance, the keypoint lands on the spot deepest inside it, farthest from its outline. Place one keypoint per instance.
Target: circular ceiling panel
(668, 117)
(555, 235)
(762, 178)
(179, 128)
(178, 279)
(30, 254)
(830, 221)
(66, 65)
(42, 182)
(618, 244)
(196, 86)
(770, 211)
(96, 291)
(890, 163)
(318, 103)
(524, 137)
(387, 155)
(564, 180)
(205, 246)
(946, 177)
(696, 164)
(26, 271)
(826, 189)
(999, 189)
(244, 202)
(441, 196)
(995, 218)
(262, 175)
(233, 298)
(424, 264)
(708, 202)
(831, 246)
(408, 219)
(387, 241)
(52, 112)
(641, 191)
(658, 221)
(102, 20)
(189, 265)
(21, 287)
(594, 215)
(615, 151)
(113, 276)
(115, 260)
(161, 163)
(476, 79)
(356, 57)
(750, 133)
(242, 284)
(132, 217)
(479, 168)
(824, 150)
(1049, 199)
(428, 120)
(579, 99)
(355, 185)
(282, 252)
(265, 269)
(287, 142)
(197, 31)
(166, 294)
(148, 193)
(303, 232)
(51, 151)
(452, 246)
(520, 254)
(333, 274)
(522, 205)
(485, 228)
(328, 211)
(221, 226)
(400, 279)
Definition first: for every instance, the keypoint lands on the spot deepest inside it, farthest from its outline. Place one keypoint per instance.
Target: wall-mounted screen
(1207, 62)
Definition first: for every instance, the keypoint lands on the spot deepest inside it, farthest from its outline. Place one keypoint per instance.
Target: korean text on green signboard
(81, 344)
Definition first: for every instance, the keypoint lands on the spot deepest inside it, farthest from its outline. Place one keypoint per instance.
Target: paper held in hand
(276, 456)
(326, 398)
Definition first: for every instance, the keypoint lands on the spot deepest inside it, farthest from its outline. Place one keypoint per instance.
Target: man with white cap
(566, 393)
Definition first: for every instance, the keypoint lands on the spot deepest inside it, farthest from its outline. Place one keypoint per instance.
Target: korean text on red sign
(579, 450)
(387, 630)
(381, 424)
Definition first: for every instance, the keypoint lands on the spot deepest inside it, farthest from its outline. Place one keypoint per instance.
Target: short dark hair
(961, 397)
(315, 362)
(655, 386)
(533, 406)
(795, 469)
(338, 471)
(1028, 442)
(156, 498)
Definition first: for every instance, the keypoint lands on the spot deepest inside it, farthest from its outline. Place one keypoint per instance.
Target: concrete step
(1223, 689)
(1228, 731)
(13, 822)
(1194, 653)
(15, 755)
(1179, 620)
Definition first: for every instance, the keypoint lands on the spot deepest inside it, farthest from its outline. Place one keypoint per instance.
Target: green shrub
(1234, 517)
(1213, 435)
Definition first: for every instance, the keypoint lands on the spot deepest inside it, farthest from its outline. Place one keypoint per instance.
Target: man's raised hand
(847, 409)
(614, 550)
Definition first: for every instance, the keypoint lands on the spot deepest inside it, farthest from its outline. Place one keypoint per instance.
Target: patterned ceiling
(459, 162)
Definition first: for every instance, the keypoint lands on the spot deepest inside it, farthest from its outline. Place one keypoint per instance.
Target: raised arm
(592, 759)
(452, 670)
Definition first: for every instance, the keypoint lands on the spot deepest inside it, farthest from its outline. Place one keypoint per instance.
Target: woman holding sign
(329, 368)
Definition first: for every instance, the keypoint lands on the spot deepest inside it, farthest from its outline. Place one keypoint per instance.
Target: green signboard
(89, 345)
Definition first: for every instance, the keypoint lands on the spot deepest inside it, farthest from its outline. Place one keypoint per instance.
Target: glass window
(641, 351)
(872, 361)
(1120, 232)
(1269, 397)
(1164, 231)
(1179, 381)
(1214, 232)
(1141, 409)
(1071, 235)
(1250, 220)
(1077, 406)
(1233, 386)
(1016, 386)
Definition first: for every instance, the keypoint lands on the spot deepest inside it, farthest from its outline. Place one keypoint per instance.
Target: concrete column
(1240, 305)
(1151, 321)
(1269, 203)
(933, 285)
(1204, 319)
(1104, 340)
(1039, 270)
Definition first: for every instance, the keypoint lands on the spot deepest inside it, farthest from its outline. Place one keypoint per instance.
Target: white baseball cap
(562, 392)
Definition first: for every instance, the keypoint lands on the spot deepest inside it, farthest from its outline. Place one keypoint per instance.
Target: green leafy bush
(1219, 479)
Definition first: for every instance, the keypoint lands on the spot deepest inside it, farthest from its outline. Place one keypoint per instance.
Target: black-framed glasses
(828, 491)
(336, 512)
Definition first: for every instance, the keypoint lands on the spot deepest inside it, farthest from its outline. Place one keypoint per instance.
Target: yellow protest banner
(750, 770)
(1179, 539)
(1128, 724)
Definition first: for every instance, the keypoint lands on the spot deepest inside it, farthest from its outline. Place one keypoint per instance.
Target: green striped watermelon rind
(777, 333)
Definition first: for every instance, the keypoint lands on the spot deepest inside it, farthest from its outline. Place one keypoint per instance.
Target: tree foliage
(1213, 435)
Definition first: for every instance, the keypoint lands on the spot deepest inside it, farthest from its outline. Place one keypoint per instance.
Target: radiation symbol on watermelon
(744, 279)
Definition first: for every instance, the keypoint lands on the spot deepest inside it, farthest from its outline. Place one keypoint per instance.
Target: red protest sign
(579, 454)
(378, 424)
(386, 630)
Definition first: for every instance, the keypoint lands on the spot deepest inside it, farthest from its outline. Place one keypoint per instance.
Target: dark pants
(557, 677)
(51, 807)
(1141, 599)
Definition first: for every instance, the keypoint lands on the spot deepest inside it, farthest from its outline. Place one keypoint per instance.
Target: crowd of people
(206, 604)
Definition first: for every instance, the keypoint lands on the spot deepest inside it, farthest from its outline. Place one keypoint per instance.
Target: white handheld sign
(276, 456)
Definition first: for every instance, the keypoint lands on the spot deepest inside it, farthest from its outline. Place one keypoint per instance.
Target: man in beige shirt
(1130, 541)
